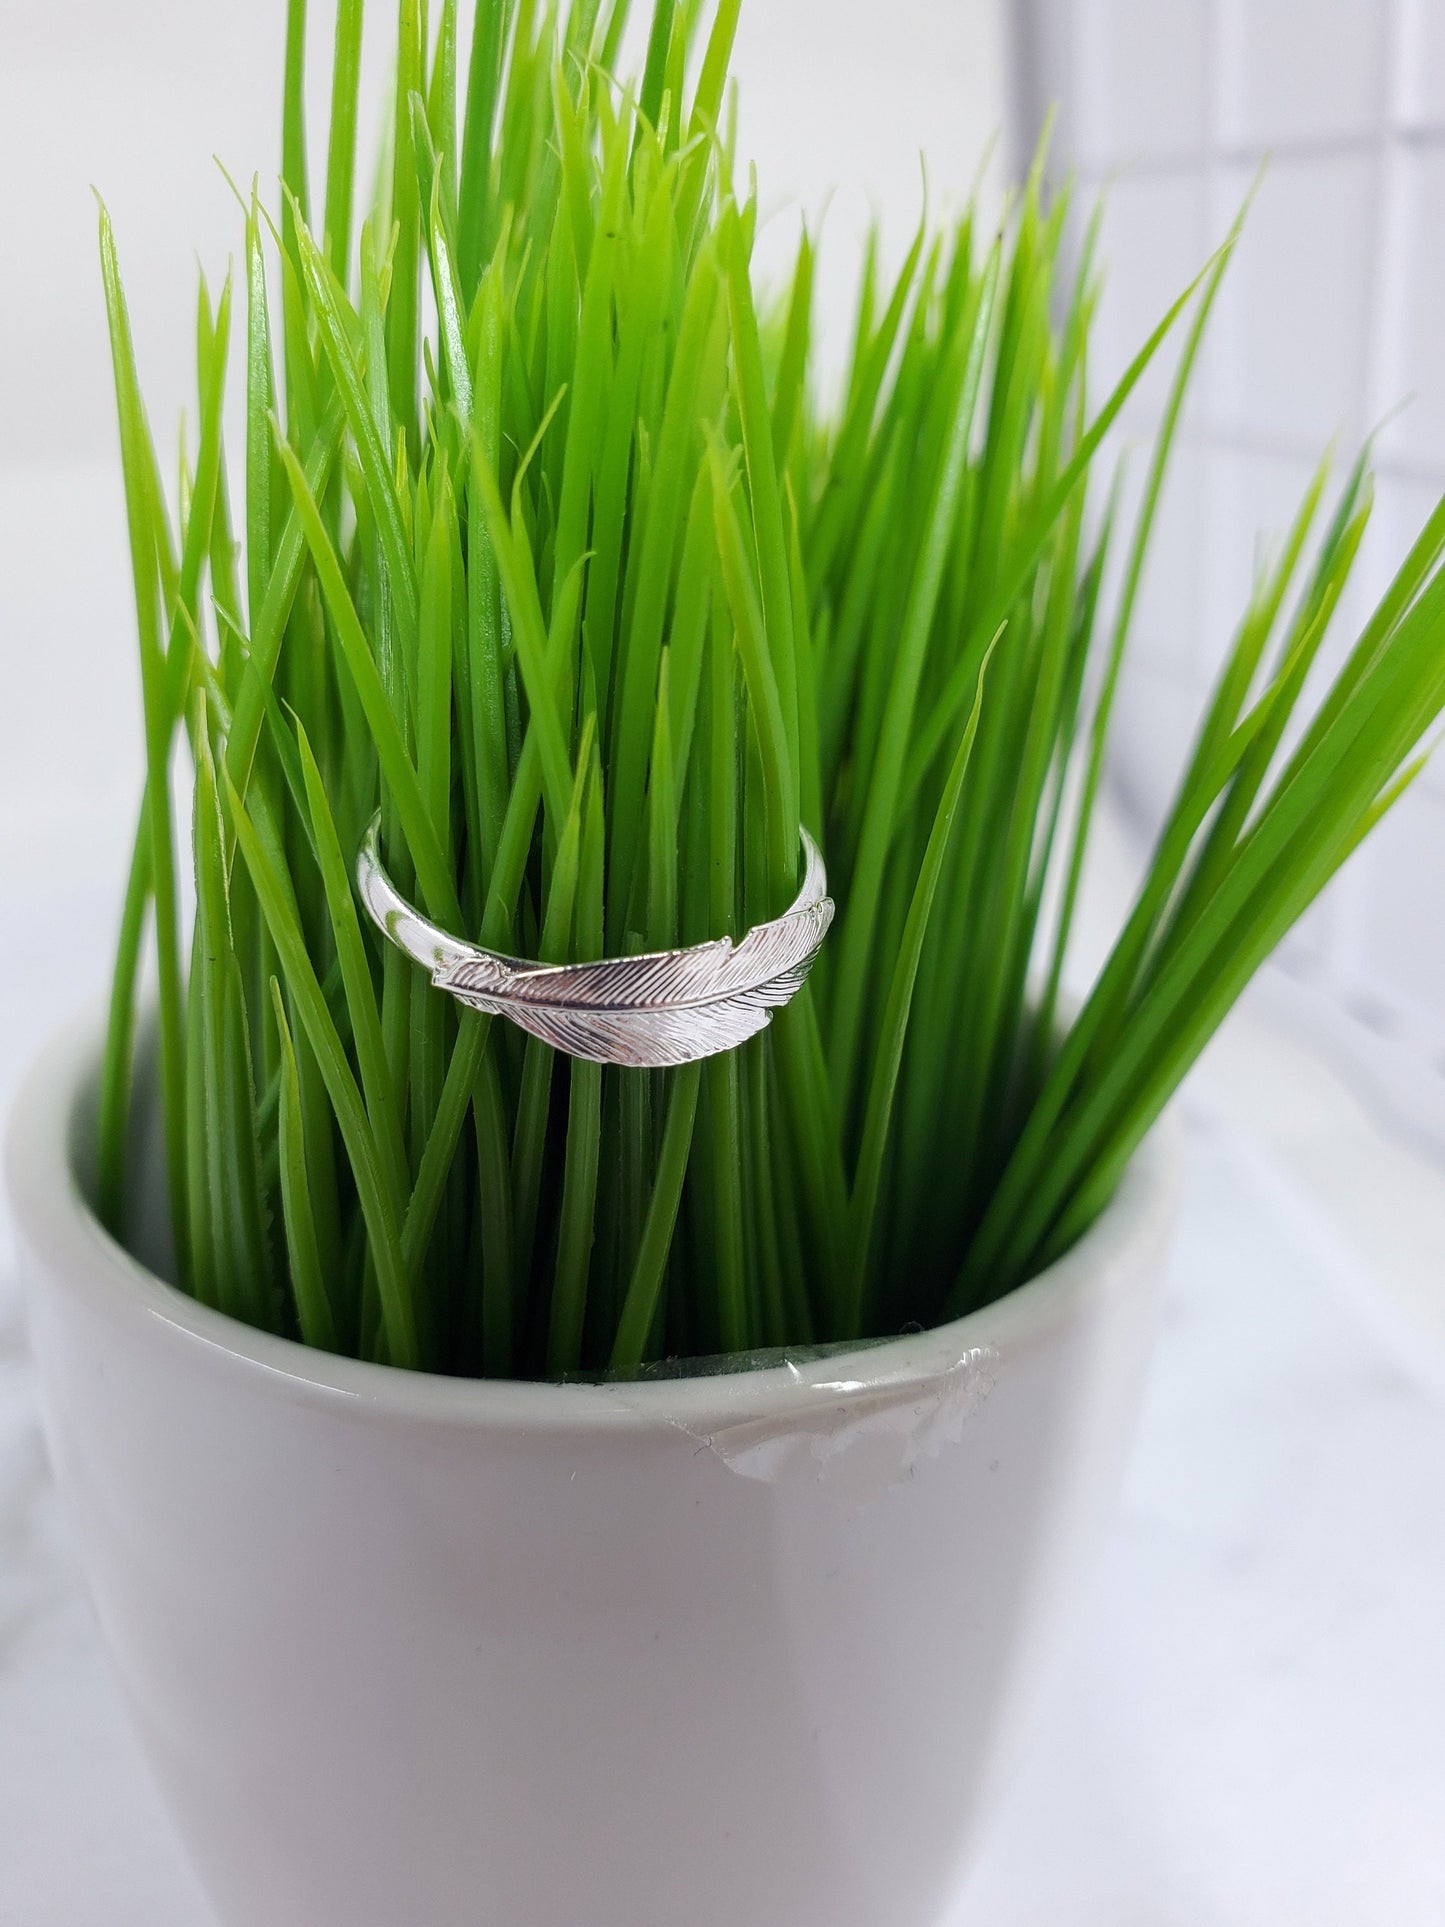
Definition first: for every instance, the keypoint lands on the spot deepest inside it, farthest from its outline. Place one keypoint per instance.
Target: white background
(1329, 327)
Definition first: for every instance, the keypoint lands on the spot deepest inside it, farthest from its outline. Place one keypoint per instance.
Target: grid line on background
(1327, 330)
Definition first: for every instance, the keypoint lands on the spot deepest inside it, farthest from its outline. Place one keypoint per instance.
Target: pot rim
(77, 1256)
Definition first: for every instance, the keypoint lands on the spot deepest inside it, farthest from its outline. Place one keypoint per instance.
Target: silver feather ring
(646, 1012)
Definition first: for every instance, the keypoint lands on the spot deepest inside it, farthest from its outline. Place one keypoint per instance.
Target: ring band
(646, 1012)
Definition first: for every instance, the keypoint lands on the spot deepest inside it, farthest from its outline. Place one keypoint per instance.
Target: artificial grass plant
(548, 547)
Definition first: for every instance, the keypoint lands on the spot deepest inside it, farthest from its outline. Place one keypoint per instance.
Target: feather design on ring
(647, 1012)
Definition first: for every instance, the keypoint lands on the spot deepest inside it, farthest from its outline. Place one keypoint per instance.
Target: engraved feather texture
(646, 1012)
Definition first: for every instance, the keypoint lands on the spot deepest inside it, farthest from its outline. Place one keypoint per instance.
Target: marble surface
(1245, 1724)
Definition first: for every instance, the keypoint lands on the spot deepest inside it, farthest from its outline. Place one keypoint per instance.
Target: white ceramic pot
(741, 1651)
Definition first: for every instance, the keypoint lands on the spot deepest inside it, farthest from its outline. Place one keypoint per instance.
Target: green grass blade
(644, 1286)
(293, 122)
(341, 146)
(884, 1081)
(401, 776)
(366, 1163)
(308, 1279)
(138, 466)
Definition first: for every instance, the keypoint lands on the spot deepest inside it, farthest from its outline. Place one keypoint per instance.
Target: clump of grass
(546, 548)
